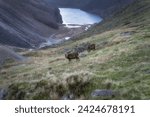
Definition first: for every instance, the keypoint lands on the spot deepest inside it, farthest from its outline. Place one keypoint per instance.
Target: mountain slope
(7, 54)
(120, 63)
(104, 8)
(27, 23)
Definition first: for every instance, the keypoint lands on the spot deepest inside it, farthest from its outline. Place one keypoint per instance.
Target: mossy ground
(121, 62)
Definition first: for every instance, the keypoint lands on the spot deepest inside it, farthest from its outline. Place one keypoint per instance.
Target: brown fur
(72, 55)
(91, 47)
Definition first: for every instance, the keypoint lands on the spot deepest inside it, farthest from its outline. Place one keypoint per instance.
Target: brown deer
(72, 55)
(91, 47)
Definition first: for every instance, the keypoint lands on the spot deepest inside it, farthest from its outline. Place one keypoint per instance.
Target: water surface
(78, 17)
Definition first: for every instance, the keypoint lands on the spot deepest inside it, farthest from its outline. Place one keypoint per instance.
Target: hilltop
(119, 68)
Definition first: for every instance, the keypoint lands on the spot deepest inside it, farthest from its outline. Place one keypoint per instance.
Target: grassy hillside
(120, 63)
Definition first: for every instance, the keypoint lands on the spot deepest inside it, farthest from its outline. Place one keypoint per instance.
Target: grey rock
(102, 92)
(2, 94)
(69, 96)
(128, 33)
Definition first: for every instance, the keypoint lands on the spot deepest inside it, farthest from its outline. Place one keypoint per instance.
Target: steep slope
(120, 63)
(27, 23)
(106, 8)
(7, 54)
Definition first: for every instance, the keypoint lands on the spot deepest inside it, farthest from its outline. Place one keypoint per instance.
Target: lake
(71, 16)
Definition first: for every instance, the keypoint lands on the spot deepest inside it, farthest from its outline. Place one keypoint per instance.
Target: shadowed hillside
(27, 23)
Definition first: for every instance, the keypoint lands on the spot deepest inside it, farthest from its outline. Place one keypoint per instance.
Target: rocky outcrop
(27, 23)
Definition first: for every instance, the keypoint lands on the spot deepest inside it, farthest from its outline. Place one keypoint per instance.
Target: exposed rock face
(27, 23)
(104, 8)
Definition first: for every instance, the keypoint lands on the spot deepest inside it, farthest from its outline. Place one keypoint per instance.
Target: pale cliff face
(27, 23)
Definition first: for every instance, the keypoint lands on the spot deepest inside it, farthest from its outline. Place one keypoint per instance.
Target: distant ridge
(104, 8)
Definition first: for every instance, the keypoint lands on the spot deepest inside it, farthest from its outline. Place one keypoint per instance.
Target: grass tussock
(75, 84)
